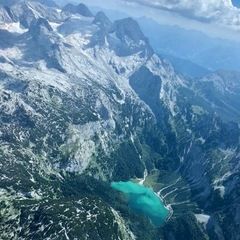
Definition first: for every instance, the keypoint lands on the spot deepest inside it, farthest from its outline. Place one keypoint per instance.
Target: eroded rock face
(6, 15)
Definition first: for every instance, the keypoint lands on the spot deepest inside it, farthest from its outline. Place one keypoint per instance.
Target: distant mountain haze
(195, 46)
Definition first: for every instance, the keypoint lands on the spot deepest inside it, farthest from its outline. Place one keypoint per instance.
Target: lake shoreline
(144, 200)
(167, 206)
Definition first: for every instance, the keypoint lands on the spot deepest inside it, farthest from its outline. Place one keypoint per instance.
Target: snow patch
(14, 27)
(202, 219)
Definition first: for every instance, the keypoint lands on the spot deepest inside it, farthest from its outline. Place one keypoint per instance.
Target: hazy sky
(214, 17)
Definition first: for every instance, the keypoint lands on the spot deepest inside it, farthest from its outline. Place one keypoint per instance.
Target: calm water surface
(143, 200)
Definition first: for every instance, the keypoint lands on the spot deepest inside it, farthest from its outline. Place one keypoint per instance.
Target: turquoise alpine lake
(143, 200)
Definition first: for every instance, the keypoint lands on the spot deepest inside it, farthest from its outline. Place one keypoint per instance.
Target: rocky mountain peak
(129, 28)
(130, 38)
(81, 9)
(40, 26)
(102, 20)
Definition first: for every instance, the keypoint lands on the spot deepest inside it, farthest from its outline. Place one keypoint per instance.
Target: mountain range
(205, 51)
(85, 101)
